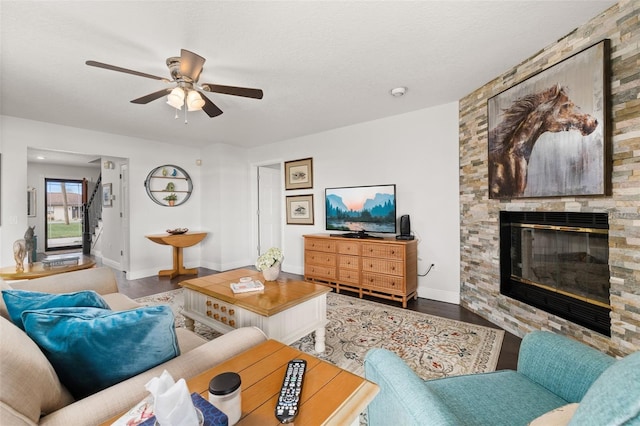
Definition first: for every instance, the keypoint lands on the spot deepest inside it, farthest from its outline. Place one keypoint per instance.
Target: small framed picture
(300, 209)
(298, 174)
(106, 195)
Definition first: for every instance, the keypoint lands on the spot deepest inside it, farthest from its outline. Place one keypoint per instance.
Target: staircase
(92, 211)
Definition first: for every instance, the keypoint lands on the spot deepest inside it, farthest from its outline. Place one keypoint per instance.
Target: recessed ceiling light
(40, 157)
(398, 91)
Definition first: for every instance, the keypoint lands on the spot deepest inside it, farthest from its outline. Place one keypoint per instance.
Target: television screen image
(361, 209)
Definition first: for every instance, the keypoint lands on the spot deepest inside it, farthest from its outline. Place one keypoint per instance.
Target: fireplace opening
(558, 262)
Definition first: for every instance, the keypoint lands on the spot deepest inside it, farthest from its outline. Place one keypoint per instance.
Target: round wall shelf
(168, 185)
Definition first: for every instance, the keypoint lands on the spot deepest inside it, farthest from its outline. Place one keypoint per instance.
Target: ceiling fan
(185, 72)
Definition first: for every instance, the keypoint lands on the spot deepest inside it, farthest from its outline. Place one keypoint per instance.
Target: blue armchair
(552, 372)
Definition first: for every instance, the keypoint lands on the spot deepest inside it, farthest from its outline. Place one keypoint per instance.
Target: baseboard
(439, 295)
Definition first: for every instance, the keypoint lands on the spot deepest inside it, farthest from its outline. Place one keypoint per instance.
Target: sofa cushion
(18, 301)
(29, 386)
(120, 302)
(92, 349)
(558, 417)
(614, 398)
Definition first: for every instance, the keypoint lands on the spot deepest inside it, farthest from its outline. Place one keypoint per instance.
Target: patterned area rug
(433, 346)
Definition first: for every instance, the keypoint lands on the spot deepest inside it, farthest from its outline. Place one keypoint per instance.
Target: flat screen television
(361, 209)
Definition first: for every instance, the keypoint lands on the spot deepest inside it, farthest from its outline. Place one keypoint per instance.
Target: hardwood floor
(510, 345)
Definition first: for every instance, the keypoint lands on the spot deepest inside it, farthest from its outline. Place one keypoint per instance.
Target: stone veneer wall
(479, 239)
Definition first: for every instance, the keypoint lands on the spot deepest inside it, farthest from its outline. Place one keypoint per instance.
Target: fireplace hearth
(558, 262)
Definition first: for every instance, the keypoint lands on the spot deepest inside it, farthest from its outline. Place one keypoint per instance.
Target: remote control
(289, 398)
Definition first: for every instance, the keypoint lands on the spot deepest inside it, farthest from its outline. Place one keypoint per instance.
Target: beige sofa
(30, 392)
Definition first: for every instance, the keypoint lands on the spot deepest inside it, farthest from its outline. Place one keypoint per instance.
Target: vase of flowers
(269, 263)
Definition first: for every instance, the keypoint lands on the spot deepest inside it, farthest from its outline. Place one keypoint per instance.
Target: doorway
(63, 219)
(269, 207)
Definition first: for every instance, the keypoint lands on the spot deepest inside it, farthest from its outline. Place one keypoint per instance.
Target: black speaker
(405, 228)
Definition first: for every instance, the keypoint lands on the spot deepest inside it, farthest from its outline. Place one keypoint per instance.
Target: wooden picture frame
(549, 135)
(298, 174)
(300, 209)
(107, 197)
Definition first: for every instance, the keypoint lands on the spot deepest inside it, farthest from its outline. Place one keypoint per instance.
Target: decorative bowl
(177, 231)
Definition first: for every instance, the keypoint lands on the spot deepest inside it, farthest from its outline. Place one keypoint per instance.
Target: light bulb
(194, 101)
(176, 98)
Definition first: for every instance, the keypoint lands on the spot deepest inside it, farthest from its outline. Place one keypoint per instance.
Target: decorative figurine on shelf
(22, 248)
(28, 243)
(19, 251)
(164, 171)
(170, 187)
(171, 199)
(174, 172)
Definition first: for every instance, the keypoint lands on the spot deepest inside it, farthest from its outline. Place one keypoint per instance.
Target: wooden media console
(385, 268)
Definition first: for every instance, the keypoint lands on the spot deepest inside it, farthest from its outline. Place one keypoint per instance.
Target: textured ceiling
(321, 65)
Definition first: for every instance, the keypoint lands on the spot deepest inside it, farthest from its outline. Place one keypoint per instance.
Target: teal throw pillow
(614, 398)
(92, 349)
(18, 301)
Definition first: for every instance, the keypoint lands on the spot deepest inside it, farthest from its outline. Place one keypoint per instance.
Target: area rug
(432, 346)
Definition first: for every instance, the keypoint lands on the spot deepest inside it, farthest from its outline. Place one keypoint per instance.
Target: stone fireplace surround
(479, 217)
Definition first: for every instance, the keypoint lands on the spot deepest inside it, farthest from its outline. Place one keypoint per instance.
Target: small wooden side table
(178, 242)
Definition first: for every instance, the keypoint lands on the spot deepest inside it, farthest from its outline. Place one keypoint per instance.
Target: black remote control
(289, 398)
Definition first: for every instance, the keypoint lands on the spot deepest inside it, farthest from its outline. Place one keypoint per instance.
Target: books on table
(248, 286)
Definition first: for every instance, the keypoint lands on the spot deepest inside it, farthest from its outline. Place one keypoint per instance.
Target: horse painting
(511, 142)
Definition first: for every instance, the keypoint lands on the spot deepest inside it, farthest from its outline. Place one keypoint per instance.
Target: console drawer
(319, 244)
(387, 251)
(347, 247)
(391, 267)
(320, 258)
(386, 282)
(320, 272)
(351, 276)
(348, 262)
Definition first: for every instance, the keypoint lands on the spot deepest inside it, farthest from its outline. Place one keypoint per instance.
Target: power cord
(428, 270)
(432, 265)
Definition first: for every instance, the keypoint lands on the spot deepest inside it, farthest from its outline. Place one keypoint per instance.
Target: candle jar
(224, 394)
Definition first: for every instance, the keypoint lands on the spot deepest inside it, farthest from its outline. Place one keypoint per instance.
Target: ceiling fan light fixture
(176, 98)
(194, 101)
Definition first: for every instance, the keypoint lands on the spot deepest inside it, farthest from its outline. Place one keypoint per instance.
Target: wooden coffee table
(285, 310)
(330, 395)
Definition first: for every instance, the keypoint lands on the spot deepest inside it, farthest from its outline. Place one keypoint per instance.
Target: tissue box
(212, 416)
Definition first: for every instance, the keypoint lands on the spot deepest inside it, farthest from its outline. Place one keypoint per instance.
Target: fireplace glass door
(570, 261)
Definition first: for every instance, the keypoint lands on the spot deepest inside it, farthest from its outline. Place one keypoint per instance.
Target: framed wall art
(300, 209)
(298, 174)
(549, 135)
(107, 199)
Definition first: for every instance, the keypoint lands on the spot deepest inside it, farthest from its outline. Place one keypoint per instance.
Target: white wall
(418, 152)
(146, 258)
(226, 207)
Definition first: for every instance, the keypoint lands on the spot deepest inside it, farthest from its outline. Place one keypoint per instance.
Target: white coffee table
(286, 310)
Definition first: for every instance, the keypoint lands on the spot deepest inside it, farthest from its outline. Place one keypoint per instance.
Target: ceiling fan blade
(191, 64)
(232, 90)
(120, 69)
(209, 107)
(151, 97)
